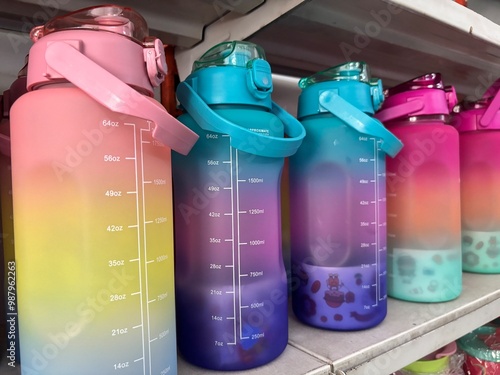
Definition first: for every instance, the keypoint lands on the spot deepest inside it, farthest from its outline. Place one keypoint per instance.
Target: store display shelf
(409, 332)
(399, 39)
(292, 361)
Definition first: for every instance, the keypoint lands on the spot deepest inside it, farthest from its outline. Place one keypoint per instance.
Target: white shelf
(301, 37)
(292, 361)
(409, 332)
(415, 37)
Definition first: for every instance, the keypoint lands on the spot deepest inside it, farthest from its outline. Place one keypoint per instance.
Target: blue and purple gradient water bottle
(338, 201)
(231, 284)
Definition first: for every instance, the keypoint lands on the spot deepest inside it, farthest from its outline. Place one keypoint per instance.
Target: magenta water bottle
(479, 126)
(423, 193)
(231, 286)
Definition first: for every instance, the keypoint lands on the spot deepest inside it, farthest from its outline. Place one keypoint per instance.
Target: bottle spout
(111, 18)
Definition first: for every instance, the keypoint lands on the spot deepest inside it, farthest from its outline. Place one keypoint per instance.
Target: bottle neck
(420, 120)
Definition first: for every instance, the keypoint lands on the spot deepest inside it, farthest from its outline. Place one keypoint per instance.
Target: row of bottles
(99, 201)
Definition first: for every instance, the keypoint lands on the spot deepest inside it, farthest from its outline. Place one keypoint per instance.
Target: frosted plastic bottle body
(91, 182)
(337, 201)
(230, 279)
(480, 179)
(94, 238)
(478, 124)
(423, 212)
(338, 231)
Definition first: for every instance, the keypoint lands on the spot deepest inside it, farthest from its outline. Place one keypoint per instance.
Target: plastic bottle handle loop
(360, 121)
(117, 96)
(5, 145)
(242, 138)
(401, 110)
(492, 109)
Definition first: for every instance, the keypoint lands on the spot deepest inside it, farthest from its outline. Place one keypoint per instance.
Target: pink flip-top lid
(107, 53)
(483, 114)
(424, 95)
(116, 38)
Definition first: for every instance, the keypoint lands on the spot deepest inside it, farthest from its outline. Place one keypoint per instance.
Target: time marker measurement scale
(236, 239)
(110, 272)
(152, 290)
(380, 221)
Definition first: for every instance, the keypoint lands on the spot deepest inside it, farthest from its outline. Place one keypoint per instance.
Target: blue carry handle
(360, 121)
(242, 138)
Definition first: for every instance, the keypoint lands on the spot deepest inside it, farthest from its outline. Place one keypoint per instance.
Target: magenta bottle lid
(483, 114)
(424, 95)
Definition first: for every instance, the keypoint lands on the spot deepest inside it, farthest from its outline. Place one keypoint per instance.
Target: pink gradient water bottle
(92, 199)
(423, 193)
(479, 126)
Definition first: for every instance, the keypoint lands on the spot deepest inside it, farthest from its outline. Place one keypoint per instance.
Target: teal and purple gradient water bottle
(231, 285)
(423, 192)
(337, 201)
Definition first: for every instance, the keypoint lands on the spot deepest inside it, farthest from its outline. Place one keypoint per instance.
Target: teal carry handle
(360, 121)
(241, 138)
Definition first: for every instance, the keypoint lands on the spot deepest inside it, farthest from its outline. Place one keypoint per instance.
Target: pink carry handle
(400, 110)
(4, 145)
(494, 106)
(116, 95)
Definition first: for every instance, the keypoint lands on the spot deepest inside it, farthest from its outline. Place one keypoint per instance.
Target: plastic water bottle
(478, 124)
(92, 199)
(423, 192)
(231, 285)
(337, 201)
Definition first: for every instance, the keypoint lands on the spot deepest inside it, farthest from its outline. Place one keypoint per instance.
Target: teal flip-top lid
(234, 72)
(352, 81)
(237, 73)
(233, 53)
(348, 93)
